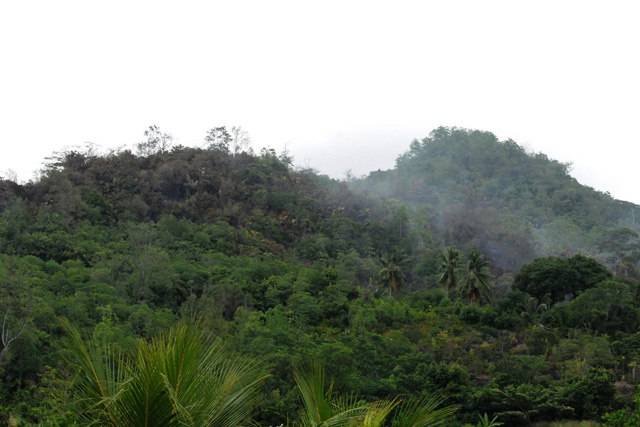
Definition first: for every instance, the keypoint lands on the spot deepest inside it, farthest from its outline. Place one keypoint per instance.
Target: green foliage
(498, 197)
(423, 412)
(554, 279)
(180, 377)
(606, 308)
(449, 269)
(486, 422)
(624, 417)
(283, 264)
(320, 407)
(591, 395)
(391, 273)
(476, 282)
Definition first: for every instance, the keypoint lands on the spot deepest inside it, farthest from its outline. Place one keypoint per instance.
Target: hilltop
(494, 195)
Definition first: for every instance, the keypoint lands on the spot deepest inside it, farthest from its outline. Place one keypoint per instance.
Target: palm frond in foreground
(183, 377)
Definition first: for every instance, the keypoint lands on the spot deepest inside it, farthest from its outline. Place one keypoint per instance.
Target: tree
(391, 273)
(157, 142)
(607, 308)
(476, 283)
(619, 246)
(240, 140)
(554, 279)
(218, 139)
(181, 377)
(9, 175)
(9, 335)
(532, 309)
(448, 269)
(16, 300)
(546, 279)
(624, 417)
(590, 395)
(590, 272)
(152, 276)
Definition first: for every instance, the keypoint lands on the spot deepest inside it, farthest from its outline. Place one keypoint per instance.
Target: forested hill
(235, 202)
(516, 205)
(124, 245)
(429, 296)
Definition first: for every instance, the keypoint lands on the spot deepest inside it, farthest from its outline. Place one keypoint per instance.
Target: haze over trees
(474, 281)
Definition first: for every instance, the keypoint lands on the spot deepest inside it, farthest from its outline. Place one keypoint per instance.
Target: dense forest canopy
(475, 280)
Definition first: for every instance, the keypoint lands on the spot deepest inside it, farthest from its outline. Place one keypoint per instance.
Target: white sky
(346, 84)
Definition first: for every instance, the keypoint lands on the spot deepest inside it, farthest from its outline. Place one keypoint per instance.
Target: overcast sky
(344, 84)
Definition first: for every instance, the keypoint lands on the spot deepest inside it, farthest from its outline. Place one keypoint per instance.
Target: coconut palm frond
(182, 377)
(424, 412)
(319, 406)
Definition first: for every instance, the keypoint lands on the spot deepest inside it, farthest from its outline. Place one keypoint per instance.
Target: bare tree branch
(7, 337)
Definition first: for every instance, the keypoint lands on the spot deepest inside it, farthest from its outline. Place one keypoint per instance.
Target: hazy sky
(344, 84)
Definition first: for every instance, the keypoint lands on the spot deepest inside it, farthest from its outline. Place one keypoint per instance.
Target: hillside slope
(515, 205)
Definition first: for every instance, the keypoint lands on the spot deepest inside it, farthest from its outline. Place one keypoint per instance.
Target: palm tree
(321, 408)
(532, 310)
(183, 377)
(476, 283)
(391, 273)
(448, 268)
